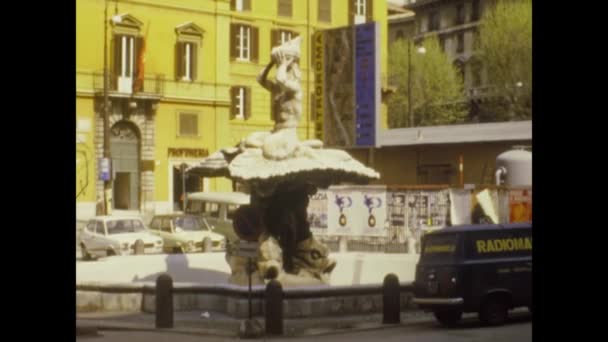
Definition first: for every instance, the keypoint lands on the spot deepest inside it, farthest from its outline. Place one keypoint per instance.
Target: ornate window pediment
(126, 24)
(189, 32)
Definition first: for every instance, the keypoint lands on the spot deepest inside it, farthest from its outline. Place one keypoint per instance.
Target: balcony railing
(153, 84)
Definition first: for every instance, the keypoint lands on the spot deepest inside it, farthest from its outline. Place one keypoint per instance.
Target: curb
(94, 325)
(291, 330)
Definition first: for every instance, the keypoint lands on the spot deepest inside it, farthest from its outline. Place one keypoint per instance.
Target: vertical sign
(104, 169)
(365, 84)
(319, 83)
(347, 85)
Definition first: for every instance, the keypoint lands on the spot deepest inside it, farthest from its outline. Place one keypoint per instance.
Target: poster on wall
(488, 202)
(372, 211)
(427, 210)
(317, 212)
(460, 206)
(396, 209)
(342, 218)
(520, 205)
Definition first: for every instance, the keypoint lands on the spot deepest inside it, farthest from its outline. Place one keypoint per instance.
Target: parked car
(218, 209)
(475, 268)
(110, 235)
(182, 233)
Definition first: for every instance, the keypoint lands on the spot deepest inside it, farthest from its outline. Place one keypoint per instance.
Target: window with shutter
(278, 37)
(239, 103)
(361, 11)
(285, 8)
(188, 124)
(240, 5)
(186, 56)
(242, 42)
(189, 41)
(124, 56)
(325, 11)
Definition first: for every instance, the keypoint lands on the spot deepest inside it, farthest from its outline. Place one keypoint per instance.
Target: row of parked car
(206, 226)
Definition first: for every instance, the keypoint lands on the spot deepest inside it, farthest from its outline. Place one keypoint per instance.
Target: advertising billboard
(347, 85)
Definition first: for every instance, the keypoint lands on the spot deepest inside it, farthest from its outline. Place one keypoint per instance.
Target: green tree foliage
(437, 87)
(505, 50)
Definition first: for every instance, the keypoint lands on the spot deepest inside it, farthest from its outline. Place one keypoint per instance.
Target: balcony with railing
(152, 87)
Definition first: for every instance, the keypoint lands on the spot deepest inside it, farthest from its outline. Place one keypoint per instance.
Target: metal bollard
(274, 308)
(164, 301)
(391, 300)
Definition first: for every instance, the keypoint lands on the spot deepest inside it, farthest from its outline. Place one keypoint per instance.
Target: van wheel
(207, 247)
(110, 252)
(448, 317)
(493, 311)
(84, 252)
(177, 250)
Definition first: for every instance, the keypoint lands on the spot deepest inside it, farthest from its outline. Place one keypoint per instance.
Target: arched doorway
(125, 150)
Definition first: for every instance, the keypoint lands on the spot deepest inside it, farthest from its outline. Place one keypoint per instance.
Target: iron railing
(153, 84)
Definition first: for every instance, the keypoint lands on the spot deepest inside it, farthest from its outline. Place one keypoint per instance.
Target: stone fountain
(281, 172)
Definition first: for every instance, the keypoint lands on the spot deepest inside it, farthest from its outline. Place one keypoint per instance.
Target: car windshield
(189, 223)
(124, 226)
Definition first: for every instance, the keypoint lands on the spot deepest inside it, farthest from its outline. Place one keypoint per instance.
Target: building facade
(433, 155)
(456, 23)
(182, 84)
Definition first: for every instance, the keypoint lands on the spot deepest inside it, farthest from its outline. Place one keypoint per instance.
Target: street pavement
(352, 268)
(425, 329)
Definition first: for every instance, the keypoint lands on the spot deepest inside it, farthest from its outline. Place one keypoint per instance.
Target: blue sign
(365, 84)
(104, 169)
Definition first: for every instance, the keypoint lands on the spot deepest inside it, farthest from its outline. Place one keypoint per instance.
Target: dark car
(477, 268)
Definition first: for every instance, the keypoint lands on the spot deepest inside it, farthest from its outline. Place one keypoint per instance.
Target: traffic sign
(247, 249)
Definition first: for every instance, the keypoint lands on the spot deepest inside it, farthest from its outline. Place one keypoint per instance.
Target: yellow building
(182, 84)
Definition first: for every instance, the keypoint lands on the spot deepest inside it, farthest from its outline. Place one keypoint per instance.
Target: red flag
(138, 84)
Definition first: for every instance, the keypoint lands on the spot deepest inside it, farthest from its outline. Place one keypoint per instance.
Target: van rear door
(437, 273)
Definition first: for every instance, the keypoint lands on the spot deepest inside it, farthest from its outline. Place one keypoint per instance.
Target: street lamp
(421, 50)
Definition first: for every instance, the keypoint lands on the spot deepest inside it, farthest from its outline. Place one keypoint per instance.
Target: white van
(218, 209)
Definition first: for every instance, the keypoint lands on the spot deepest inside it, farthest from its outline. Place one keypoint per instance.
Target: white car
(110, 235)
(186, 234)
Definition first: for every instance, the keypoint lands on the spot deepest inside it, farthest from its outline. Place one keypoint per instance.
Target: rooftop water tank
(514, 168)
